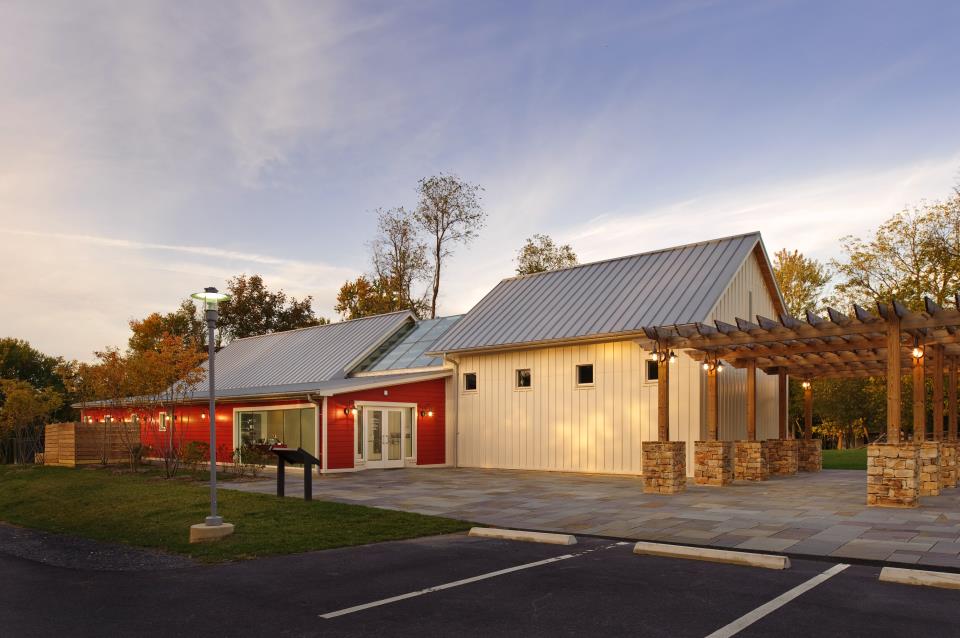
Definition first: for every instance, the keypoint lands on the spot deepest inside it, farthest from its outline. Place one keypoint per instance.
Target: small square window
(585, 374)
(524, 380)
(653, 371)
(470, 382)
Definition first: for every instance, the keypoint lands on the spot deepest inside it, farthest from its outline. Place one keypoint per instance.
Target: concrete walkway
(821, 514)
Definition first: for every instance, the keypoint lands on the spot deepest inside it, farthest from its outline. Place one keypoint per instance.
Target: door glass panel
(375, 435)
(408, 436)
(274, 427)
(308, 423)
(395, 431)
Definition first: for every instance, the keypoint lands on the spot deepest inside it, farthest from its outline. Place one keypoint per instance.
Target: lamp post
(213, 527)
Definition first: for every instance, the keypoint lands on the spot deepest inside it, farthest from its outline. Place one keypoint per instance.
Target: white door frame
(405, 426)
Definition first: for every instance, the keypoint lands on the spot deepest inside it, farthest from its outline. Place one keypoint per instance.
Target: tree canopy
(540, 254)
(253, 309)
(801, 280)
(186, 323)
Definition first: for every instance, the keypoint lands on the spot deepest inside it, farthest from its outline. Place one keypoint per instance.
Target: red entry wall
(430, 436)
(431, 430)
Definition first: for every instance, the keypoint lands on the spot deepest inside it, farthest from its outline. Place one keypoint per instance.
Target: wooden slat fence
(73, 444)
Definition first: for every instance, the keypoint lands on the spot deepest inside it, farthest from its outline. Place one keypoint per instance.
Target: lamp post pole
(213, 527)
(211, 314)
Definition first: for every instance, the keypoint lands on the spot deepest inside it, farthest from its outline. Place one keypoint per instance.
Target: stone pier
(893, 475)
(809, 455)
(782, 457)
(750, 461)
(713, 463)
(664, 467)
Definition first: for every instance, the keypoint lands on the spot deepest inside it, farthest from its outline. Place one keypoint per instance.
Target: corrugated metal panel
(671, 286)
(308, 355)
(410, 351)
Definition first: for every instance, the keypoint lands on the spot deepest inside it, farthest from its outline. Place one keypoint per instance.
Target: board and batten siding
(560, 426)
(746, 297)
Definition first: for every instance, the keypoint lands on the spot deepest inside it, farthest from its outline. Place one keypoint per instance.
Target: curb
(765, 561)
(920, 577)
(519, 535)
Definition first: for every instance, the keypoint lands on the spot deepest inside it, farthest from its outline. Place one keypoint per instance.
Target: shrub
(196, 454)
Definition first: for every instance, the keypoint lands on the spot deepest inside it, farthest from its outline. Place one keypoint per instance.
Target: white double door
(384, 429)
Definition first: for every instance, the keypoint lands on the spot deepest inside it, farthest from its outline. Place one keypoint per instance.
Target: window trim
(516, 380)
(593, 375)
(476, 383)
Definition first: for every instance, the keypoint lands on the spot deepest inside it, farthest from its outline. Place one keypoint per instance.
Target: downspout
(456, 410)
(321, 421)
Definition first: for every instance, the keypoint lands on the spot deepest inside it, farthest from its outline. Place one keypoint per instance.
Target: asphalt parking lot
(598, 587)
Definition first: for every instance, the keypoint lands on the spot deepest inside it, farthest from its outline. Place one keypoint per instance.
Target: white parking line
(465, 581)
(456, 583)
(745, 621)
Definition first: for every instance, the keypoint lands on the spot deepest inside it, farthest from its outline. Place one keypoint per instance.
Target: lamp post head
(210, 297)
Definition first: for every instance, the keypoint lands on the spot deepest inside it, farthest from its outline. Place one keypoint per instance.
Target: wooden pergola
(891, 343)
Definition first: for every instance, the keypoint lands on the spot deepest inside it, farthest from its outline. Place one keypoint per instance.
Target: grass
(855, 459)
(147, 511)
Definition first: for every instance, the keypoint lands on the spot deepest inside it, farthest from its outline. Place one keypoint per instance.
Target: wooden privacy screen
(73, 444)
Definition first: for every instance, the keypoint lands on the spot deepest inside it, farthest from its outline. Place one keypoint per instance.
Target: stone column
(664, 467)
(893, 475)
(930, 468)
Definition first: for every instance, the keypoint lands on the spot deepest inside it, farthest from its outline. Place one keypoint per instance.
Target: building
(550, 371)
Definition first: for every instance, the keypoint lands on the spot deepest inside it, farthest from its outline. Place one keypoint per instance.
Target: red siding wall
(431, 431)
(428, 395)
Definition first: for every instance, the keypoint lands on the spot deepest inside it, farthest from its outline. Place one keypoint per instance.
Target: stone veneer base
(713, 463)
(809, 455)
(893, 475)
(750, 461)
(782, 458)
(664, 467)
(930, 468)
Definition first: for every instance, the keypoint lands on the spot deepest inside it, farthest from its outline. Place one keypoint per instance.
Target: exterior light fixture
(917, 349)
(706, 366)
(203, 415)
(348, 411)
(213, 527)
(805, 385)
(654, 356)
(672, 357)
(714, 365)
(426, 412)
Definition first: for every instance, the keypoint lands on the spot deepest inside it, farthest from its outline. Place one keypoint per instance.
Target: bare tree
(400, 258)
(449, 212)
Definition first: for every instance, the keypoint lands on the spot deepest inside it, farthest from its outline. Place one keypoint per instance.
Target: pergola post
(664, 461)
(893, 379)
(809, 450)
(937, 392)
(808, 410)
(919, 401)
(782, 451)
(949, 447)
(663, 396)
(713, 407)
(752, 400)
(782, 402)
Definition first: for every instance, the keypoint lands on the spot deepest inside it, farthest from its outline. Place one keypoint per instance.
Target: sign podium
(297, 456)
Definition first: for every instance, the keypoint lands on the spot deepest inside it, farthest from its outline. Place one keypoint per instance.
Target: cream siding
(558, 426)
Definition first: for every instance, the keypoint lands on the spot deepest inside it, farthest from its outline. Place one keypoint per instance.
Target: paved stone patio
(822, 514)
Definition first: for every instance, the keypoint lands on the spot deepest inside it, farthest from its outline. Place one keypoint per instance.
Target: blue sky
(148, 149)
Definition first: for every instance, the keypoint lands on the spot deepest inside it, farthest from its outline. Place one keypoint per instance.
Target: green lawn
(845, 459)
(148, 511)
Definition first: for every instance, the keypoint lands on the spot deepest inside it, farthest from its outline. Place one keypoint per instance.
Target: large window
(524, 379)
(292, 427)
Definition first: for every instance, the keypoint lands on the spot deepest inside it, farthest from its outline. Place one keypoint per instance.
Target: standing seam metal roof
(307, 355)
(670, 286)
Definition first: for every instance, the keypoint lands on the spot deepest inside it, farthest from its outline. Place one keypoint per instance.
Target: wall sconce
(672, 357)
(654, 356)
(426, 412)
(350, 411)
(203, 415)
(917, 349)
(713, 365)
(805, 385)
